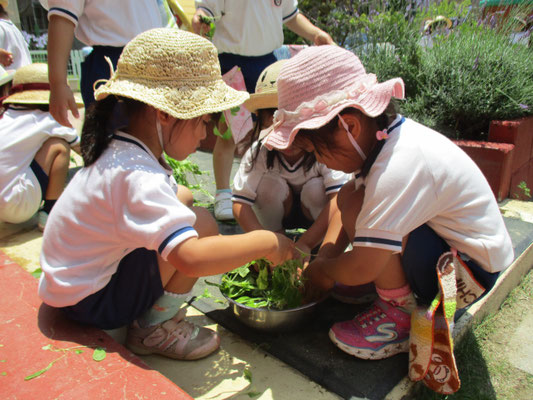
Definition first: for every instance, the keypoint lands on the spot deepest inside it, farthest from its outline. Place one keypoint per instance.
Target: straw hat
(317, 84)
(4, 3)
(173, 71)
(266, 89)
(30, 86)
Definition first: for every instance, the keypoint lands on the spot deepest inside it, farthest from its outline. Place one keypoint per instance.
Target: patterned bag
(431, 356)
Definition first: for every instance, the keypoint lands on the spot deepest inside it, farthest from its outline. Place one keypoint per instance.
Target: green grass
(481, 355)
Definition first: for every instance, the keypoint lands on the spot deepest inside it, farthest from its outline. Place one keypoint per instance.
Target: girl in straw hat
(34, 149)
(120, 248)
(420, 196)
(283, 189)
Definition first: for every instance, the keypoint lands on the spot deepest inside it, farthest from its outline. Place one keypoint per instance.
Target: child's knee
(313, 196)
(271, 190)
(205, 224)
(185, 195)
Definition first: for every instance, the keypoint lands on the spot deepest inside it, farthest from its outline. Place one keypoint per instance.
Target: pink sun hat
(318, 83)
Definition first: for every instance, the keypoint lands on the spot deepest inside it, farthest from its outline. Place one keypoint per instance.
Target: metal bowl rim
(290, 310)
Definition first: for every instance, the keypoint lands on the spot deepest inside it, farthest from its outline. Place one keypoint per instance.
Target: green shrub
(469, 78)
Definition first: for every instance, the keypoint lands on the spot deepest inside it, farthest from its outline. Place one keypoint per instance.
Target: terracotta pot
(494, 160)
(520, 133)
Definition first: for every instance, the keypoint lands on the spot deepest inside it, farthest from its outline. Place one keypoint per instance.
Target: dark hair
(309, 158)
(103, 118)
(321, 138)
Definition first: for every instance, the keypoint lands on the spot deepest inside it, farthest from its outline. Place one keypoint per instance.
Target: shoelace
(369, 317)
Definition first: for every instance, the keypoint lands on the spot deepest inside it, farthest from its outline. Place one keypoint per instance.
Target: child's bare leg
(223, 154)
(185, 195)
(54, 159)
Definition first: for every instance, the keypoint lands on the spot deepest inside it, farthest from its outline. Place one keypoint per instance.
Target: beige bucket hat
(30, 86)
(266, 89)
(4, 3)
(173, 71)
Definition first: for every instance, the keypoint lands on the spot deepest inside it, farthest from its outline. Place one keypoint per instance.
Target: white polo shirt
(246, 180)
(108, 22)
(22, 134)
(419, 177)
(124, 201)
(249, 27)
(11, 39)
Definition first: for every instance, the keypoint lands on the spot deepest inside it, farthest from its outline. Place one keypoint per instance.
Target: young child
(421, 196)
(14, 52)
(104, 25)
(120, 248)
(246, 35)
(34, 149)
(283, 189)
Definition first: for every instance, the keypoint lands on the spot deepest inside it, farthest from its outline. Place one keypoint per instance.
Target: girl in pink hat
(287, 189)
(419, 196)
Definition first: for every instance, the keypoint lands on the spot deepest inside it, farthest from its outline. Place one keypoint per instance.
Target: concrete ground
(242, 370)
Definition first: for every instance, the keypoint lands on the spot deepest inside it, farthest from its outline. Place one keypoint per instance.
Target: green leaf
(248, 374)
(37, 273)
(42, 371)
(78, 351)
(99, 354)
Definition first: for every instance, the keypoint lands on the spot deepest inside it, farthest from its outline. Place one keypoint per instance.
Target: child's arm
(245, 216)
(60, 37)
(304, 28)
(214, 255)
(316, 232)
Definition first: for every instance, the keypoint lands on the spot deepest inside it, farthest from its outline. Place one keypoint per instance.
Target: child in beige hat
(121, 248)
(282, 189)
(34, 149)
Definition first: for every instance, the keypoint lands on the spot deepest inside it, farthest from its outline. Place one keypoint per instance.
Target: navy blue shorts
(95, 67)
(41, 176)
(251, 67)
(132, 290)
(419, 259)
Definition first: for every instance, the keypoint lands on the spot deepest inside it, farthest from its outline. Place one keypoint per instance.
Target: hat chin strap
(159, 133)
(351, 139)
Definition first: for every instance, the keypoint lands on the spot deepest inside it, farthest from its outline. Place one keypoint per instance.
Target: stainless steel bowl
(272, 320)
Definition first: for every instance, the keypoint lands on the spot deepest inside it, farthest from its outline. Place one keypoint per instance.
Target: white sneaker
(42, 217)
(223, 207)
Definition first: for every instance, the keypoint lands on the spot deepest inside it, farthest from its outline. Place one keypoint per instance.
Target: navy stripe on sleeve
(172, 236)
(236, 196)
(70, 14)
(290, 15)
(363, 239)
(330, 188)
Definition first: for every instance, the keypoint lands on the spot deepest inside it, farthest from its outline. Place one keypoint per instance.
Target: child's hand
(317, 282)
(285, 250)
(304, 252)
(62, 100)
(6, 58)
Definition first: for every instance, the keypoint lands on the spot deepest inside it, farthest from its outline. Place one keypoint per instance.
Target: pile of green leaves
(280, 290)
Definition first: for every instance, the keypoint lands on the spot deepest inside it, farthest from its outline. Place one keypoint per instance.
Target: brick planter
(494, 160)
(520, 133)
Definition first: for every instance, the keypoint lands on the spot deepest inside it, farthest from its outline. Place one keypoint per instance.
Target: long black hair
(322, 139)
(309, 158)
(102, 119)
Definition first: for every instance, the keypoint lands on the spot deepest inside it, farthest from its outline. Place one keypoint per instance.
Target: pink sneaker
(379, 332)
(360, 294)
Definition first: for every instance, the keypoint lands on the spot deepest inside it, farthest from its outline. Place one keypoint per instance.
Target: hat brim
(260, 101)
(372, 103)
(165, 96)
(36, 97)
